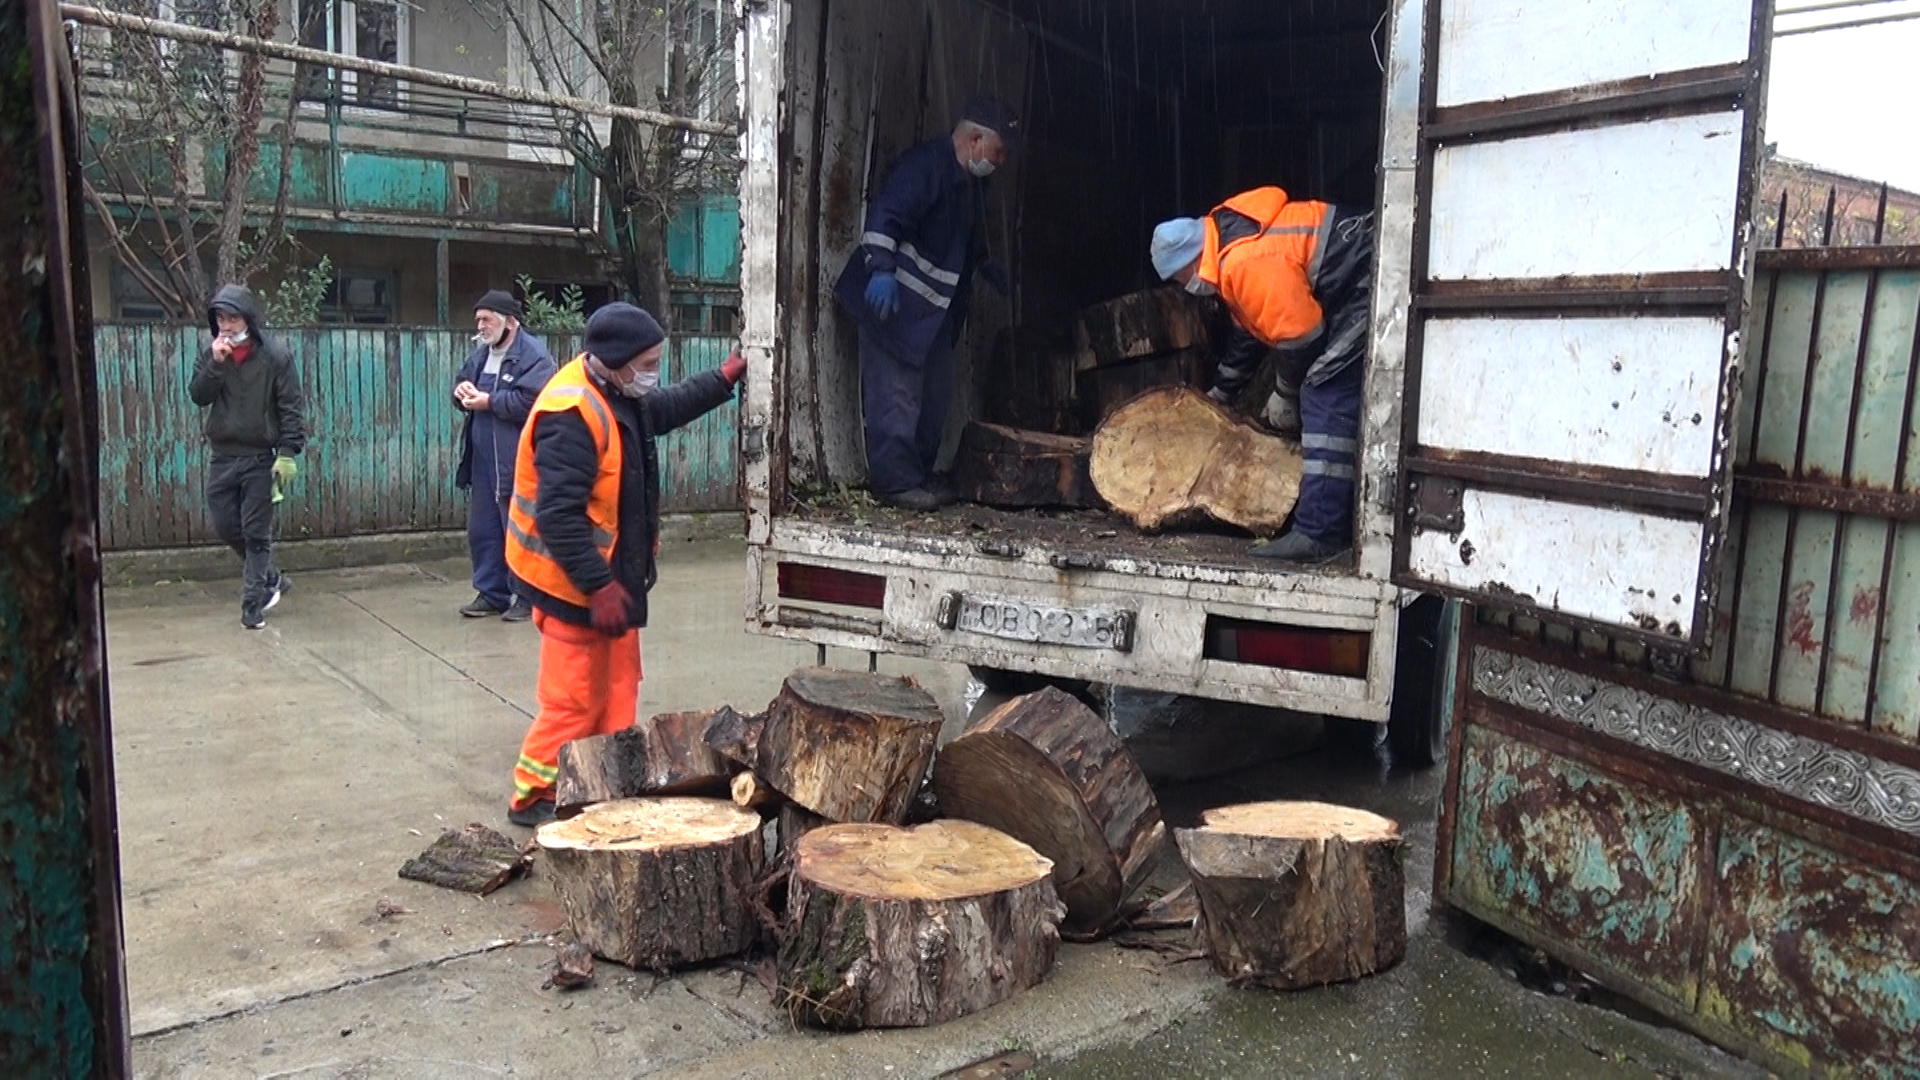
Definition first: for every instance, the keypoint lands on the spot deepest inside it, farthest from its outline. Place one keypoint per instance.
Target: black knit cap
(500, 302)
(619, 332)
(996, 116)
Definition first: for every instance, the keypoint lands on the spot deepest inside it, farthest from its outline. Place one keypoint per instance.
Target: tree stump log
(1172, 457)
(1136, 326)
(657, 883)
(666, 755)
(849, 746)
(1046, 770)
(893, 927)
(1298, 894)
(1003, 466)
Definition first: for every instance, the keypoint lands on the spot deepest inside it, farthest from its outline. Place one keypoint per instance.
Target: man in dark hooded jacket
(255, 427)
(496, 388)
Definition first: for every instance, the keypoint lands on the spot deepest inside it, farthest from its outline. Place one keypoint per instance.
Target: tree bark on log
(1172, 457)
(1046, 770)
(734, 736)
(893, 927)
(1136, 326)
(666, 755)
(474, 859)
(1003, 466)
(749, 791)
(657, 883)
(849, 746)
(1298, 894)
(793, 822)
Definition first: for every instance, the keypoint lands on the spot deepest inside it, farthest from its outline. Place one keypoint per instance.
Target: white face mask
(980, 167)
(1200, 288)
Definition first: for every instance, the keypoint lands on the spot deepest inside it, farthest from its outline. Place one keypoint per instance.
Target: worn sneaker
(480, 608)
(533, 815)
(281, 585)
(253, 616)
(521, 611)
(940, 486)
(1297, 548)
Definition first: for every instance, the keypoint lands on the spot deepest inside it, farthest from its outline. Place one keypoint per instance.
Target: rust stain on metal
(1814, 955)
(1866, 604)
(1800, 618)
(1581, 857)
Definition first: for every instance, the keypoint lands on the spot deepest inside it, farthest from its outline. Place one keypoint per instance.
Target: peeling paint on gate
(1581, 857)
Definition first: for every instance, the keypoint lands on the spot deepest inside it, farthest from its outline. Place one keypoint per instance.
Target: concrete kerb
(218, 563)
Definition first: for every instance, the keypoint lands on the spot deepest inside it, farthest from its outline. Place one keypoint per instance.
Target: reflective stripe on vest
(570, 390)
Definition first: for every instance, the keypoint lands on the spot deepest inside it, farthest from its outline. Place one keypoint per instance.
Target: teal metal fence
(385, 434)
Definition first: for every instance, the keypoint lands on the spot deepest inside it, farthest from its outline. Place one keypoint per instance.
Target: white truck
(1563, 194)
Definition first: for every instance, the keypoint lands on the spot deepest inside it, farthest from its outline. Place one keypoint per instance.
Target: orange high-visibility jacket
(1262, 252)
(527, 555)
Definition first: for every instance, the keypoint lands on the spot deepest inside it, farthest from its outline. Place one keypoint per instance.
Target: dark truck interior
(1134, 113)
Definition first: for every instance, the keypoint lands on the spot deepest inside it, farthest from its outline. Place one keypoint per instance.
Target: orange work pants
(589, 685)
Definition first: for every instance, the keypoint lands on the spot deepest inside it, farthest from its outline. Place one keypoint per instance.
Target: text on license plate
(1046, 624)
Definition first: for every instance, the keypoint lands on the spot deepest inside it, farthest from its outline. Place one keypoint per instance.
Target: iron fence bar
(1799, 458)
(1893, 527)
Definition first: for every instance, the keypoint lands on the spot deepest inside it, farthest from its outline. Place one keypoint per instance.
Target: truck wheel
(1416, 726)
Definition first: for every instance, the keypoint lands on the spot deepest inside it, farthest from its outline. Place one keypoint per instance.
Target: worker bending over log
(583, 532)
(1297, 277)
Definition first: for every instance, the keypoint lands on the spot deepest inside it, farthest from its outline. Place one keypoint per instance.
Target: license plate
(1042, 624)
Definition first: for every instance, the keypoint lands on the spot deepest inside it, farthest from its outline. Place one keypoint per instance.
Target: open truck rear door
(1581, 268)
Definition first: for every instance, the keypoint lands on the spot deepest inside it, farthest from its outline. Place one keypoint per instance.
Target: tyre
(1416, 726)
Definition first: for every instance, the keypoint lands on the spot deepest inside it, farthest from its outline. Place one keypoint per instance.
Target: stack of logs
(894, 915)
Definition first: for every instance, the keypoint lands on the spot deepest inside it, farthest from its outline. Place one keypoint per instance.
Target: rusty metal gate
(1734, 839)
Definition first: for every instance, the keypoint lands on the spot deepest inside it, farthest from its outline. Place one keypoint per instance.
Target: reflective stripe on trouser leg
(589, 685)
(1330, 428)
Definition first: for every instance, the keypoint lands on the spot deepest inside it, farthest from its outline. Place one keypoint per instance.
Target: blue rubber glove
(883, 294)
(996, 275)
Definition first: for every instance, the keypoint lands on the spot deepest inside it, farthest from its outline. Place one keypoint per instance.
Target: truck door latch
(1436, 502)
(1077, 560)
(999, 549)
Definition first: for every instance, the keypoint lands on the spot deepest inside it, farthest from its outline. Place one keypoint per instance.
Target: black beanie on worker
(619, 332)
(500, 302)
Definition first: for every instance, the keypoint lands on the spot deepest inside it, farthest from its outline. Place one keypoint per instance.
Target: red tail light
(825, 585)
(1323, 652)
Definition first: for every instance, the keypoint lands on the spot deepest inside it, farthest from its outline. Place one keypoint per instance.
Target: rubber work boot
(911, 499)
(532, 816)
(521, 611)
(1297, 547)
(480, 608)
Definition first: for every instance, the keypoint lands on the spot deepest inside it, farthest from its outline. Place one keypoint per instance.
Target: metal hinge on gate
(753, 442)
(1435, 502)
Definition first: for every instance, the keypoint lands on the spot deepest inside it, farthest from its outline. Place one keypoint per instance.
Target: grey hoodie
(253, 407)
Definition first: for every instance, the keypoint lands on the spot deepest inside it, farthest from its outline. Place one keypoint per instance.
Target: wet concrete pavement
(272, 783)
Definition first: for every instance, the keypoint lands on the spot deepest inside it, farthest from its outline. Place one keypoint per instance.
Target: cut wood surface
(657, 883)
(900, 927)
(749, 792)
(1002, 466)
(1297, 894)
(1047, 770)
(1136, 326)
(848, 745)
(791, 823)
(1171, 457)
(1105, 390)
(474, 859)
(667, 754)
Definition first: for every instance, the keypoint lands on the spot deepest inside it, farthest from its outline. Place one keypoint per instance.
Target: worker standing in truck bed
(907, 285)
(1297, 277)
